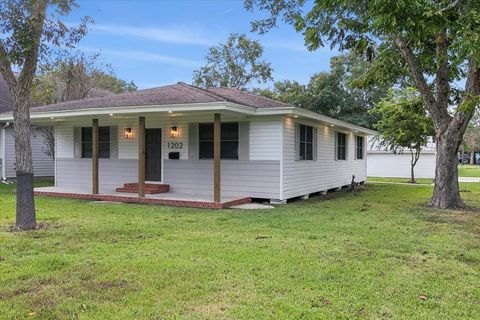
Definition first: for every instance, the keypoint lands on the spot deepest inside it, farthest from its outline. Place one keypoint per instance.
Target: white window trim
(314, 142)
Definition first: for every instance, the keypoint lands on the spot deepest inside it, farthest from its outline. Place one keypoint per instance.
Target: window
(103, 142)
(341, 146)
(359, 147)
(228, 137)
(305, 142)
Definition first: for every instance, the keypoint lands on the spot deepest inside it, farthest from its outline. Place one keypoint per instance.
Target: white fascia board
(209, 107)
(294, 111)
(331, 121)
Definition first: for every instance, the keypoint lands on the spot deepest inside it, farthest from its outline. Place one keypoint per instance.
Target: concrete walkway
(468, 179)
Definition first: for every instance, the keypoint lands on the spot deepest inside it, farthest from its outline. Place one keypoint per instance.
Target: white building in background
(384, 163)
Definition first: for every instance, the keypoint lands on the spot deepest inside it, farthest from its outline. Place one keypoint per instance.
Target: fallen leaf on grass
(423, 297)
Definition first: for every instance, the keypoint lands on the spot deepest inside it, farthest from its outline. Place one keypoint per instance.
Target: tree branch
(450, 6)
(6, 69)
(439, 115)
(470, 101)
(36, 22)
(442, 84)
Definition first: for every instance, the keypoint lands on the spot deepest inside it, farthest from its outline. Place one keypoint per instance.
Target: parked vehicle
(464, 159)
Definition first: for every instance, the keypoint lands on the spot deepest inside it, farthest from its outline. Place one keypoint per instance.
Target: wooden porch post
(95, 156)
(141, 157)
(216, 157)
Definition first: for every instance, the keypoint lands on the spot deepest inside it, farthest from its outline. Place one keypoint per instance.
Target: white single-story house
(215, 146)
(386, 163)
(43, 164)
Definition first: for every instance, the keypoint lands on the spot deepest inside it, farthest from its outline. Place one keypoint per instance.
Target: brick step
(150, 188)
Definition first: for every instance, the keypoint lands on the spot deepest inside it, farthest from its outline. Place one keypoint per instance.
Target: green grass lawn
(467, 170)
(400, 180)
(373, 254)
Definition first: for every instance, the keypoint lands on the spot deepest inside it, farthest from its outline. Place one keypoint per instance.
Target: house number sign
(175, 145)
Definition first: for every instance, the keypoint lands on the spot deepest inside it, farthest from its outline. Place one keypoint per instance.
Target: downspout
(3, 152)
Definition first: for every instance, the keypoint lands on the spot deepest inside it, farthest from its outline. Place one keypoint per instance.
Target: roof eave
(210, 106)
(331, 121)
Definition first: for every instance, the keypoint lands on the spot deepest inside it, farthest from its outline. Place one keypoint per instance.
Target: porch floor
(168, 199)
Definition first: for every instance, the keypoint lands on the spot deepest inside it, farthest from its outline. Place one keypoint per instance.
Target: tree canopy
(235, 63)
(76, 76)
(403, 123)
(336, 93)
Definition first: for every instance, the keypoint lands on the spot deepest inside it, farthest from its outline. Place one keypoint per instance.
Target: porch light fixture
(332, 125)
(174, 132)
(295, 116)
(128, 133)
(170, 111)
(111, 114)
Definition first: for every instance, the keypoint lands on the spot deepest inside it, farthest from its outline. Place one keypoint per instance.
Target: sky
(161, 42)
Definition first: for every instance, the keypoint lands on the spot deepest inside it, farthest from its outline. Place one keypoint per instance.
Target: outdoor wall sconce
(174, 132)
(128, 133)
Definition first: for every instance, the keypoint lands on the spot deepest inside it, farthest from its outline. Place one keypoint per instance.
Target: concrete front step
(150, 188)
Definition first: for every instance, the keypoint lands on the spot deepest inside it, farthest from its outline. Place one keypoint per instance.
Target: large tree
(403, 124)
(29, 32)
(235, 63)
(433, 43)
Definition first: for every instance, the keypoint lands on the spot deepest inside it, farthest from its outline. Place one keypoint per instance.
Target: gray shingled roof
(248, 99)
(6, 103)
(179, 93)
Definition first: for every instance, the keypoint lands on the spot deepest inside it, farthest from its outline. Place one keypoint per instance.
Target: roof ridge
(206, 91)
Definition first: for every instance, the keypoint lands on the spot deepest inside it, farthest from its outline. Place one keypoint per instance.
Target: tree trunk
(472, 158)
(413, 162)
(412, 173)
(446, 193)
(26, 218)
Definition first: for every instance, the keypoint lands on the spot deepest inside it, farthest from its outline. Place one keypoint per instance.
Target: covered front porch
(97, 172)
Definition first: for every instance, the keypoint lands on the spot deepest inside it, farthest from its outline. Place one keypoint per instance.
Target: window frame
(338, 146)
(305, 142)
(104, 144)
(357, 147)
(223, 141)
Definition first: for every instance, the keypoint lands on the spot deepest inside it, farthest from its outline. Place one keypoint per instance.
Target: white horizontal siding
(257, 179)
(388, 164)
(43, 165)
(304, 177)
(265, 140)
(264, 135)
(76, 174)
(64, 141)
